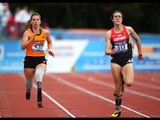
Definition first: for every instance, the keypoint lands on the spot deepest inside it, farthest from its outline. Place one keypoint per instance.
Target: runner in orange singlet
(35, 63)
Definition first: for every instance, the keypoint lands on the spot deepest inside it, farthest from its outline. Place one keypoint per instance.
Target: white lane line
(147, 85)
(136, 82)
(93, 94)
(91, 79)
(53, 100)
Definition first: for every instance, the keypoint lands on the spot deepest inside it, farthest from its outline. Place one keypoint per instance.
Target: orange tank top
(36, 48)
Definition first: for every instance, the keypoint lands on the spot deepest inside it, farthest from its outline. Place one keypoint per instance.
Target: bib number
(38, 47)
(121, 47)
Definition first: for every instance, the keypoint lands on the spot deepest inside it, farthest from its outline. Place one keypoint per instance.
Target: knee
(39, 73)
(128, 83)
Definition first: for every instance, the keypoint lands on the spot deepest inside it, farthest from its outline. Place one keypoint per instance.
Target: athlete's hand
(140, 56)
(113, 51)
(50, 52)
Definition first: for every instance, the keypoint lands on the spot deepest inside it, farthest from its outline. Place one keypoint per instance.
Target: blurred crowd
(12, 23)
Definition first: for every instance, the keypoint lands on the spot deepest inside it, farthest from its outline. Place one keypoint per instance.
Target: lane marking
(92, 93)
(53, 100)
(136, 82)
(91, 79)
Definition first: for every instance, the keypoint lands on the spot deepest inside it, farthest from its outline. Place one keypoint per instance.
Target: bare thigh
(128, 74)
(117, 76)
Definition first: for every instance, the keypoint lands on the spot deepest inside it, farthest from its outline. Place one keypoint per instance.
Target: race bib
(121, 47)
(38, 47)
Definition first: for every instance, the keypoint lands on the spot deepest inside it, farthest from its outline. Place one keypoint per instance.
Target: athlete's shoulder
(46, 31)
(109, 31)
(27, 32)
(108, 34)
(128, 27)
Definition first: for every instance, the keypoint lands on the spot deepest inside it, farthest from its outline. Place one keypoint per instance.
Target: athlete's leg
(29, 75)
(128, 74)
(116, 72)
(39, 73)
(118, 102)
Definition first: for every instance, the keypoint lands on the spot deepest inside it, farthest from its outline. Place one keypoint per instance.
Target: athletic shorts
(32, 62)
(122, 62)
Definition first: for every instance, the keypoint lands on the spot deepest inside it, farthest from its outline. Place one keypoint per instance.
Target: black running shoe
(116, 114)
(39, 97)
(28, 94)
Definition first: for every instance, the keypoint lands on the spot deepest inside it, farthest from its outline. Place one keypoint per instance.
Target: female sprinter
(35, 62)
(119, 46)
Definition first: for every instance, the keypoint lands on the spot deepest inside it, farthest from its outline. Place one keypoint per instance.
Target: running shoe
(116, 114)
(39, 97)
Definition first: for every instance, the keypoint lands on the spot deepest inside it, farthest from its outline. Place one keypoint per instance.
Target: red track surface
(80, 95)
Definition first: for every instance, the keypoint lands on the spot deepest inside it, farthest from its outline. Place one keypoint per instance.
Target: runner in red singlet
(119, 46)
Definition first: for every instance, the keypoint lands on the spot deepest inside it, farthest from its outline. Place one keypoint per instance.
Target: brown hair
(28, 24)
(116, 12)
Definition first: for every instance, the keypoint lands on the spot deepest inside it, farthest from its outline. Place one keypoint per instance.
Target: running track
(80, 95)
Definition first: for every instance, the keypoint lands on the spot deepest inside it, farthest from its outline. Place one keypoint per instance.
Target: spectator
(21, 17)
(5, 16)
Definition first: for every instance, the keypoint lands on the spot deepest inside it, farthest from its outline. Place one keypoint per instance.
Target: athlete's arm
(137, 39)
(131, 42)
(26, 40)
(108, 50)
(49, 42)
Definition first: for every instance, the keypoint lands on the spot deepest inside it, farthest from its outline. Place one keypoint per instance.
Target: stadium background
(78, 82)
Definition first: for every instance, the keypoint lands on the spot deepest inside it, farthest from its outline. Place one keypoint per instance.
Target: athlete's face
(35, 21)
(117, 18)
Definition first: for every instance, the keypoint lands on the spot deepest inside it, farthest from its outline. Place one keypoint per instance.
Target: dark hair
(28, 24)
(116, 12)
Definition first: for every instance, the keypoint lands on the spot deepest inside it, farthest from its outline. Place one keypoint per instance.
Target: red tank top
(120, 41)
(119, 37)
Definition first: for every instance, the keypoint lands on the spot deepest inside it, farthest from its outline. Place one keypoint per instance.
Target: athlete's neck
(118, 28)
(36, 29)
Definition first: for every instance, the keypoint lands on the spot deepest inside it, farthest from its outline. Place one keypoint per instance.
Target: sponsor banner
(11, 57)
(66, 54)
(76, 55)
(93, 60)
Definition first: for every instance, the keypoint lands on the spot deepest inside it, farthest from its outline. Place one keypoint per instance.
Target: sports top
(120, 41)
(36, 48)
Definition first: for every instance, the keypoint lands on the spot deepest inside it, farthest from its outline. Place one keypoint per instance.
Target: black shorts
(32, 62)
(122, 62)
